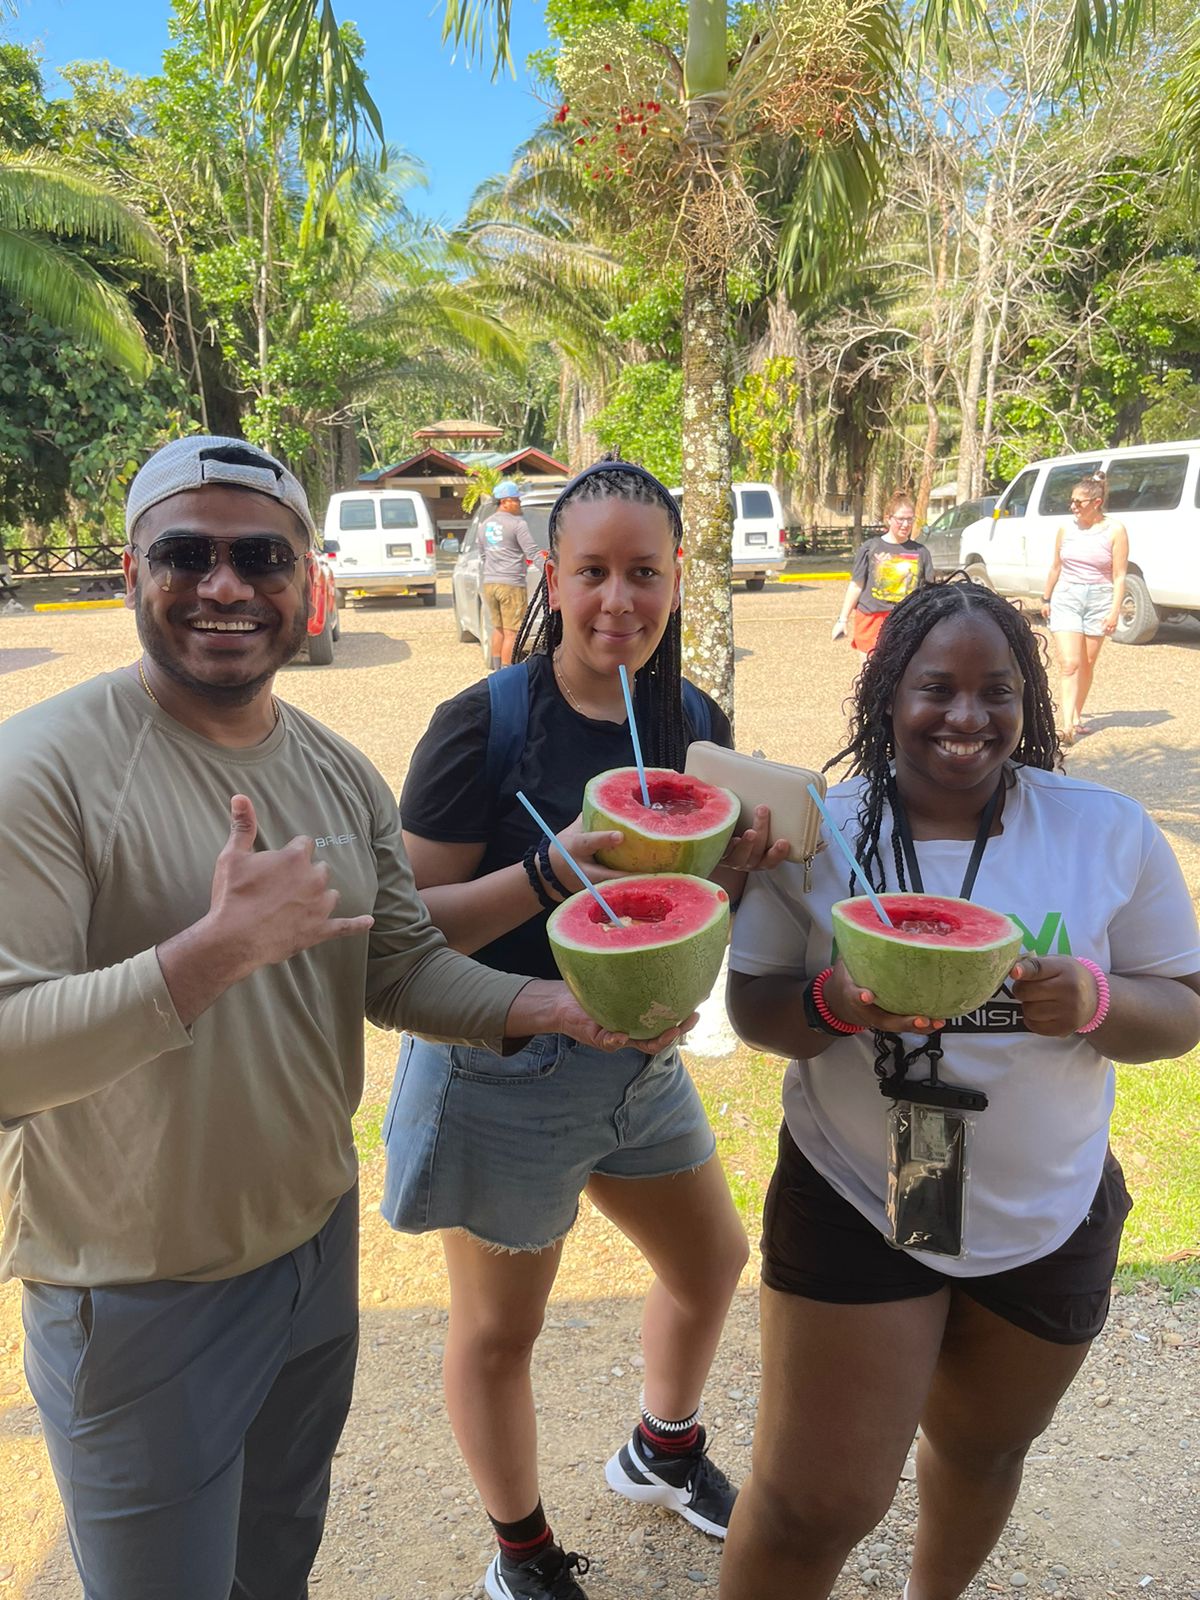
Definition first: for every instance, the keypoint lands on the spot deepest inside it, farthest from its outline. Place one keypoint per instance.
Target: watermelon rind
(643, 992)
(913, 976)
(651, 845)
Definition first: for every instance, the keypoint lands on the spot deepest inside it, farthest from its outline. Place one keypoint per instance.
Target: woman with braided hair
(902, 1284)
(495, 1152)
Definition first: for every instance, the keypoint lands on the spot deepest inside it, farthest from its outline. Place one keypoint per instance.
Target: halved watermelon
(943, 958)
(650, 971)
(685, 828)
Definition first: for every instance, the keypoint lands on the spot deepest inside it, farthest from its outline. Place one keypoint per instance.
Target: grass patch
(368, 1128)
(1155, 1133)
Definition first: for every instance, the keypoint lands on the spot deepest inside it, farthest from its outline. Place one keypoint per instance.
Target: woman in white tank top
(1082, 598)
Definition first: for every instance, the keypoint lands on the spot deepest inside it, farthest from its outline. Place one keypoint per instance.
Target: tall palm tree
(720, 109)
(45, 208)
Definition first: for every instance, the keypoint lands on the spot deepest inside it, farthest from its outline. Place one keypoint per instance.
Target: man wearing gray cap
(508, 548)
(204, 891)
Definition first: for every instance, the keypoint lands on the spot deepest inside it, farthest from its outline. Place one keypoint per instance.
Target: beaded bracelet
(529, 862)
(823, 1010)
(548, 872)
(1103, 995)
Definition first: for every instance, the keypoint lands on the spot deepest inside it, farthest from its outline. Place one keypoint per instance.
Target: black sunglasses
(178, 562)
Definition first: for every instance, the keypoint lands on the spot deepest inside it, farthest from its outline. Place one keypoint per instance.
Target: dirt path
(1112, 1494)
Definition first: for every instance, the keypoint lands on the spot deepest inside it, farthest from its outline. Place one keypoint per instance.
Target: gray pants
(191, 1426)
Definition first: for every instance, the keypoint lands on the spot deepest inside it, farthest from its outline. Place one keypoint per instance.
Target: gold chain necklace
(158, 702)
(560, 678)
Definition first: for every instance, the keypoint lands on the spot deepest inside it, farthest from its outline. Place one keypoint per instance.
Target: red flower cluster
(561, 114)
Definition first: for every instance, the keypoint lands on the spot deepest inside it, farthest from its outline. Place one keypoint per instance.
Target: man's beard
(154, 643)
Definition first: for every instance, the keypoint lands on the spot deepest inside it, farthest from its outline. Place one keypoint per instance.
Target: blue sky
(461, 125)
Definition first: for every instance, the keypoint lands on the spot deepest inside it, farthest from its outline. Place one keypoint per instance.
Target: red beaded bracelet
(822, 1005)
(1103, 995)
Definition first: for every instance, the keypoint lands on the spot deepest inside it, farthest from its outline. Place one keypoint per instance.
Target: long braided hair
(872, 746)
(658, 704)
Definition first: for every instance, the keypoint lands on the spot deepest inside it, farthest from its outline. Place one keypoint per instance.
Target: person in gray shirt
(508, 548)
(204, 892)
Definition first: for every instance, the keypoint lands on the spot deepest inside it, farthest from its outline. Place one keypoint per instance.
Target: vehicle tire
(337, 627)
(978, 573)
(429, 597)
(343, 597)
(1139, 618)
(465, 636)
(320, 645)
(754, 584)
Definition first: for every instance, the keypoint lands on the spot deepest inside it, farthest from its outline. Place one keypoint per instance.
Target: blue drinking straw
(849, 855)
(633, 734)
(568, 858)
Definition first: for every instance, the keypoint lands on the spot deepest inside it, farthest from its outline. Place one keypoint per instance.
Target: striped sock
(664, 1438)
(524, 1539)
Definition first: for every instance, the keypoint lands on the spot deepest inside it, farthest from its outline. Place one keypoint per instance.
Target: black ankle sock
(525, 1538)
(665, 1438)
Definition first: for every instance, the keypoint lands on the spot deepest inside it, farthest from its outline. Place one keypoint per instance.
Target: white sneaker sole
(493, 1584)
(654, 1491)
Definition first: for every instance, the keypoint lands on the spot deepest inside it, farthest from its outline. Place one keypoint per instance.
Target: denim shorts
(503, 1146)
(1080, 608)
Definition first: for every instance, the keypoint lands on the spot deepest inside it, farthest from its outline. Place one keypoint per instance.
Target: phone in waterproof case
(927, 1177)
(759, 782)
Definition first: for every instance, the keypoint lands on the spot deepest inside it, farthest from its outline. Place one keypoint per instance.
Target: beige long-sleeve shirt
(133, 1148)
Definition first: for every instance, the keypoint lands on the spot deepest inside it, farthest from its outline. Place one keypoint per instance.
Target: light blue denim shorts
(503, 1146)
(1080, 608)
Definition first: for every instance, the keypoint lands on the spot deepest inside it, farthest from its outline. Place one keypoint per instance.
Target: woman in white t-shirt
(1084, 591)
(952, 752)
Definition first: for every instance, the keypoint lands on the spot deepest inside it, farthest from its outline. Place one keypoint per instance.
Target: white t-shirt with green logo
(1085, 872)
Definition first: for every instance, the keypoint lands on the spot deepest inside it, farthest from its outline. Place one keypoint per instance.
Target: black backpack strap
(508, 691)
(696, 710)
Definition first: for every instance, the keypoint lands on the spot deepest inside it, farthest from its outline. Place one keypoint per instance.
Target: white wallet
(759, 782)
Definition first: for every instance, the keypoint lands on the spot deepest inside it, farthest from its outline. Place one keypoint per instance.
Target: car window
(398, 513)
(1016, 501)
(757, 503)
(1146, 483)
(1056, 496)
(537, 520)
(354, 514)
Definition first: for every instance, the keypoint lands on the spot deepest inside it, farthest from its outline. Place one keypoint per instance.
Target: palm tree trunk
(707, 443)
(970, 467)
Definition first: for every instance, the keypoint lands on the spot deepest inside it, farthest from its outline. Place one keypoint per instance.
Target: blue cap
(507, 490)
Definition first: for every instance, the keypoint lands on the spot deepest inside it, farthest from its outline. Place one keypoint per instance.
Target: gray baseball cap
(203, 458)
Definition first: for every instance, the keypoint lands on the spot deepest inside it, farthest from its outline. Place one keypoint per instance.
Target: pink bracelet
(1102, 995)
(822, 1005)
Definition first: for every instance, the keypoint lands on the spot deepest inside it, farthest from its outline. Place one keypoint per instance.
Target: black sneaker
(690, 1484)
(542, 1577)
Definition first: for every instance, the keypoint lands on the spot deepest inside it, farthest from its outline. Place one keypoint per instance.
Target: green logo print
(1042, 943)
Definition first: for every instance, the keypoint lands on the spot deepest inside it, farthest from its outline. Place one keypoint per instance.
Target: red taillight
(330, 555)
(783, 535)
(429, 547)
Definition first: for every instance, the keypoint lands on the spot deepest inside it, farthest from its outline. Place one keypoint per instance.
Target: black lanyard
(982, 835)
(896, 1084)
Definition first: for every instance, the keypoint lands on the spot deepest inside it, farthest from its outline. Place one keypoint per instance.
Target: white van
(1154, 489)
(759, 532)
(382, 542)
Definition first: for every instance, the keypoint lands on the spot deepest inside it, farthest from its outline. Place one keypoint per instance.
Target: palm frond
(59, 287)
(41, 195)
(480, 24)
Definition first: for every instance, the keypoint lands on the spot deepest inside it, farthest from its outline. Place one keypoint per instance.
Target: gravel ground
(1112, 1493)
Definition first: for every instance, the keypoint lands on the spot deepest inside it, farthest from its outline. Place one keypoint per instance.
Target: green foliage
(652, 318)
(25, 117)
(73, 430)
(643, 420)
(762, 414)
(483, 483)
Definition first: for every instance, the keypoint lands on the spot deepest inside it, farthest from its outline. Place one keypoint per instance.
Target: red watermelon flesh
(647, 972)
(685, 828)
(942, 958)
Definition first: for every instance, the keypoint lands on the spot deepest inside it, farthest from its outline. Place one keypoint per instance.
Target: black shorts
(818, 1245)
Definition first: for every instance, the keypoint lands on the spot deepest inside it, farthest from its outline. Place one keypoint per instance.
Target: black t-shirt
(446, 797)
(889, 572)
